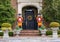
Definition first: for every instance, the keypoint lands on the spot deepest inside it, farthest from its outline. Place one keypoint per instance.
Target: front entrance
(29, 16)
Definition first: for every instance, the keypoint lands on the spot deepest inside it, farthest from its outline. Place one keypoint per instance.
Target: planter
(55, 34)
(17, 32)
(43, 32)
(6, 34)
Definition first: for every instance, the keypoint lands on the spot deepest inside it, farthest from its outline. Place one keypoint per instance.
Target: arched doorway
(29, 14)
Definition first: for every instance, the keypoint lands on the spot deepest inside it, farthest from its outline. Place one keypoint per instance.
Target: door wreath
(29, 17)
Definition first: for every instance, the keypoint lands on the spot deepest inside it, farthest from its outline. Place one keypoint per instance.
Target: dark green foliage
(49, 32)
(6, 12)
(51, 10)
(10, 33)
(1, 33)
(58, 31)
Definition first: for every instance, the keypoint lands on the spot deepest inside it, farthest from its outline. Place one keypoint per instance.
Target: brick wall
(14, 5)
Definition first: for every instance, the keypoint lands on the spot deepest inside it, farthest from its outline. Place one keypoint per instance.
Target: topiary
(54, 24)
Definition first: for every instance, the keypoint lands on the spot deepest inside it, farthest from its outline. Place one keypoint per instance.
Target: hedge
(1, 33)
(49, 32)
(10, 33)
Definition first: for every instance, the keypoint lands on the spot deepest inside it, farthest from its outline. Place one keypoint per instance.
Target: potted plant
(17, 30)
(54, 26)
(6, 27)
(43, 30)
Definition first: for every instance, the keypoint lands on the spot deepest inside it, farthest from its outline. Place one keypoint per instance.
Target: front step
(29, 33)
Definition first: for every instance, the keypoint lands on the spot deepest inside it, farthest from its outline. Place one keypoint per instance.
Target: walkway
(30, 39)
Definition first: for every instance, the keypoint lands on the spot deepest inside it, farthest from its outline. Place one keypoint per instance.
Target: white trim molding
(23, 3)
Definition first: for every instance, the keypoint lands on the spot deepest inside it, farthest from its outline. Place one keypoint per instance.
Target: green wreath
(29, 17)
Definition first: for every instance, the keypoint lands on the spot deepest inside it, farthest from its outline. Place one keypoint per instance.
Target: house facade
(28, 9)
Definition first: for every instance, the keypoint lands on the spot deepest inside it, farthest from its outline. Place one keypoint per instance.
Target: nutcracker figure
(39, 20)
(20, 21)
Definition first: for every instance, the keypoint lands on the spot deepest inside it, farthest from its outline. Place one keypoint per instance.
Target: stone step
(29, 33)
